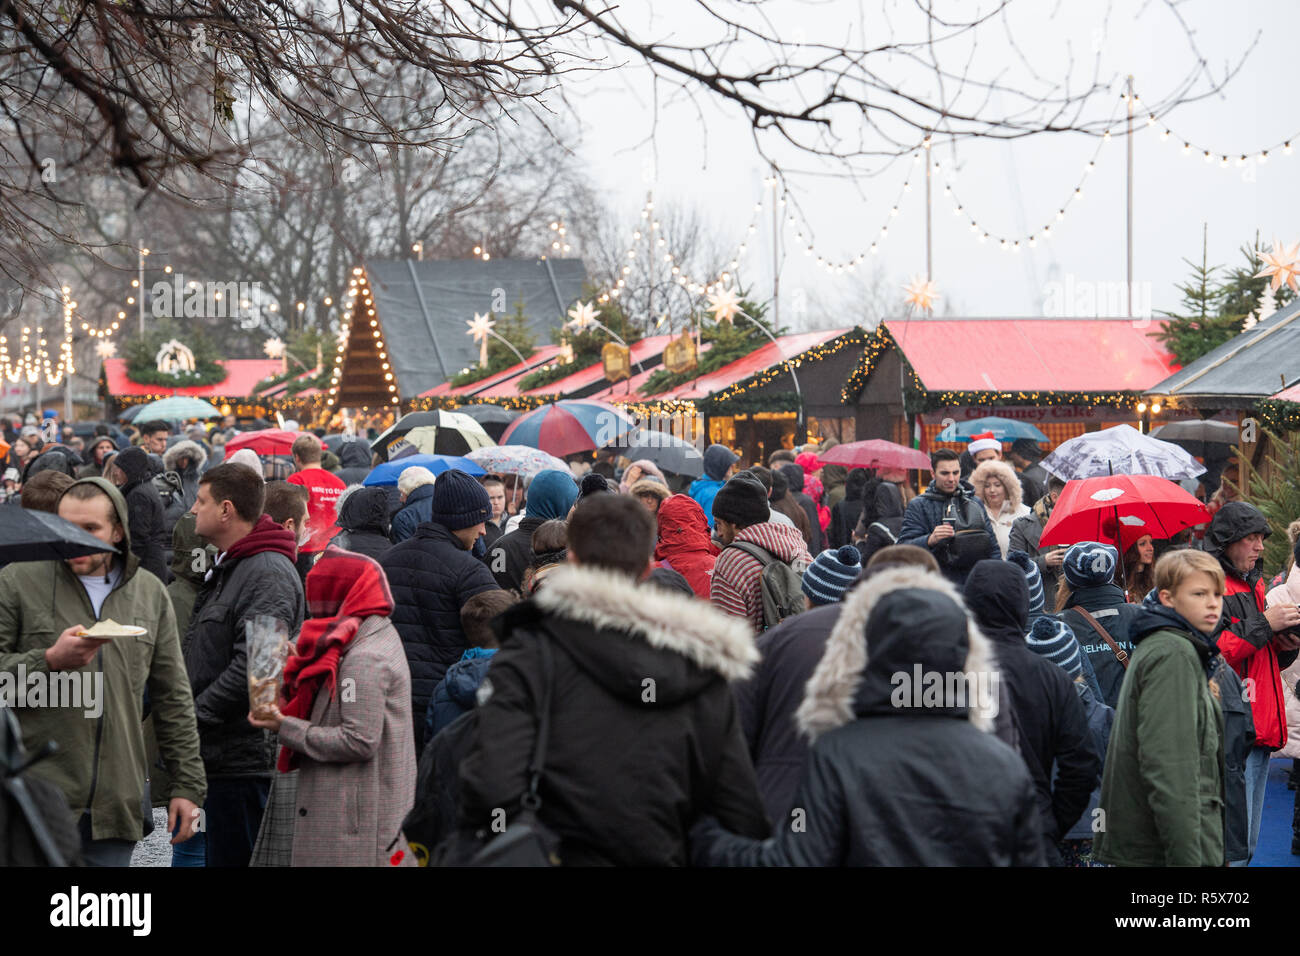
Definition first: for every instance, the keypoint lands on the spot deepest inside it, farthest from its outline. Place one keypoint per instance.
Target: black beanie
(592, 483)
(459, 501)
(134, 463)
(742, 501)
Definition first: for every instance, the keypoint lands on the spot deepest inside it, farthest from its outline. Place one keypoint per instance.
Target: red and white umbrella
(1120, 509)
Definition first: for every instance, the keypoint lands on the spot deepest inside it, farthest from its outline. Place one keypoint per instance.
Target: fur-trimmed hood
(833, 697)
(988, 470)
(605, 600)
(185, 449)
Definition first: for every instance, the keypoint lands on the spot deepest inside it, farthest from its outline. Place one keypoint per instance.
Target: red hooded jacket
(685, 545)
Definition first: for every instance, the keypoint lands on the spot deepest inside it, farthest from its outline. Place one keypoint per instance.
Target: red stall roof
(786, 347)
(539, 358)
(1046, 355)
(242, 378)
(1291, 394)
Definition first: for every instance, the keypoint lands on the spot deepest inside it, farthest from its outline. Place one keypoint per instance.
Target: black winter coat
(216, 657)
(431, 577)
(363, 523)
(896, 785)
(1026, 532)
(1105, 603)
(926, 512)
(1051, 722)
(769, 699)
(148, 527)
(511, 554)
(354, 461)
(644, 738)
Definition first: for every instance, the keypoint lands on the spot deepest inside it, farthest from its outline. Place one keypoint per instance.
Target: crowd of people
(786, 662)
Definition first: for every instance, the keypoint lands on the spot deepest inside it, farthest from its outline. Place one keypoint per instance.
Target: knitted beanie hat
(1033, 578)
(459, 501)
(742, 500)
(831, 574)
(1055, 640)
(1090, 564)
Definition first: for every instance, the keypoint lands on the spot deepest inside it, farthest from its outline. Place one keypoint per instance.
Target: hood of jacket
(101, 440)
(833, 476)
(701, 642)
(717, 460)
(919, 623)
(1232, 522)
(782, 540)
(794, 476)
(354, 454)
(185, 448)
(119, 508)
(888, 501)
(1154, 617)
(682, 528)
(419, 493)
(998, 595)
(551, 494)
(1096, 597)
(464, 677)
(185, 541)
(366, 509)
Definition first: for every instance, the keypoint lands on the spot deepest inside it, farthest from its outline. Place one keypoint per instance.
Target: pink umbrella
(877, 453)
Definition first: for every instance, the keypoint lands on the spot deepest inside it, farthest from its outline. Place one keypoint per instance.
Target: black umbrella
(667, 451)
(27, 535)
(1197, 437)
(493, 418)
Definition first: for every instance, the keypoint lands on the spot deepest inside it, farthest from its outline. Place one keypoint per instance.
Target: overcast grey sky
(702, 153)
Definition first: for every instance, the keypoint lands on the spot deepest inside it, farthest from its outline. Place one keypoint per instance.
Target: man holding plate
(46, 608)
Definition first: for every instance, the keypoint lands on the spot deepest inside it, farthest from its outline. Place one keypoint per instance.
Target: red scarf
(342, 589)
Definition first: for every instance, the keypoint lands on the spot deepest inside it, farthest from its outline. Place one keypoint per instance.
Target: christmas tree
(1199, 327)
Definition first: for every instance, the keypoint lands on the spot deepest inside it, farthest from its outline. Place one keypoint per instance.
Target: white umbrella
(1121, 450)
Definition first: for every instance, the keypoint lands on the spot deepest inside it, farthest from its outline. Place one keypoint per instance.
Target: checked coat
(356, 766)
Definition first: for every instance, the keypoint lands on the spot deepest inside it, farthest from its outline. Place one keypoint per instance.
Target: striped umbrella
(569, 427)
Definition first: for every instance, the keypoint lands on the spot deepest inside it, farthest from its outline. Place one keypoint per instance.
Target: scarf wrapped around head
(343, 588)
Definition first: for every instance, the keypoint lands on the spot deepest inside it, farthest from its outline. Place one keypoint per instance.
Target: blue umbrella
(386, 474)
(1003, 429)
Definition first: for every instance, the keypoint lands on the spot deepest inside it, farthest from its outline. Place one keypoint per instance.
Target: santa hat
(983, 442)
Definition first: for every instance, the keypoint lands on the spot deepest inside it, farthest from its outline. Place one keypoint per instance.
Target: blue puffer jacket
(703, 491)
(417, 510)
(431, 577)
(454, 694)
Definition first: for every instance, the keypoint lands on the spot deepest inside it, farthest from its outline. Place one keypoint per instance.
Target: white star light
(106, 349)
(724, 305)
(581, 316)
(274, 348)
(480, 326)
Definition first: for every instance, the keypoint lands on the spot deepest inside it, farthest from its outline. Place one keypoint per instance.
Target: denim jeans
(233, 813)
(1256, 782)
(193, 852)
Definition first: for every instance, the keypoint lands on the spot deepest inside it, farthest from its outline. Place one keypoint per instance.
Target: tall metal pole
(139, 293)
(776, 255)
(1128, 295)
(928, 261)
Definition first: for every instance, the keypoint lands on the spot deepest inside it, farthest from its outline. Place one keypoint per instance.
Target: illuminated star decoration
(921, 294)
(582, 316)
(724, 305)
(1282, 263)
(274, 348)
(481, 327)
(106, 349)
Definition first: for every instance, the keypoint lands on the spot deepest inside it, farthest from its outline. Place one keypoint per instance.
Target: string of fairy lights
(33, 362)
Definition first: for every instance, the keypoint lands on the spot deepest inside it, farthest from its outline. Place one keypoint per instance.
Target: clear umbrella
(1121, 450)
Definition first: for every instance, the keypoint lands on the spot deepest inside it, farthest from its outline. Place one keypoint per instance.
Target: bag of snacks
(268, 649)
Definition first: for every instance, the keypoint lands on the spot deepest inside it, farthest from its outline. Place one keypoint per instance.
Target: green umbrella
(177, 408)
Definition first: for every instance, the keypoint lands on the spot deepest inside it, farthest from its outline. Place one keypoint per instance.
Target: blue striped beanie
(831, 574)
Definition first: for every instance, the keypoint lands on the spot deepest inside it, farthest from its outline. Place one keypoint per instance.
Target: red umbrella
(877, 453)
(568, 427)
(1090, 508)
(265, 441)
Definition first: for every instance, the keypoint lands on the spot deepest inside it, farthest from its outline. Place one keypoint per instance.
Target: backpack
(781, 584)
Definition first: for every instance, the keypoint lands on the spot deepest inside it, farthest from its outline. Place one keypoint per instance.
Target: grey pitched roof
(1254, 364)
(423, 307)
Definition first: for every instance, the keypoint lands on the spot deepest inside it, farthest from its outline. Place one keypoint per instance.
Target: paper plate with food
(110, 628)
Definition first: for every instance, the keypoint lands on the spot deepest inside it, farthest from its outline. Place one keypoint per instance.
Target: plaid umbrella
(515, 460)
(1121, 450)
